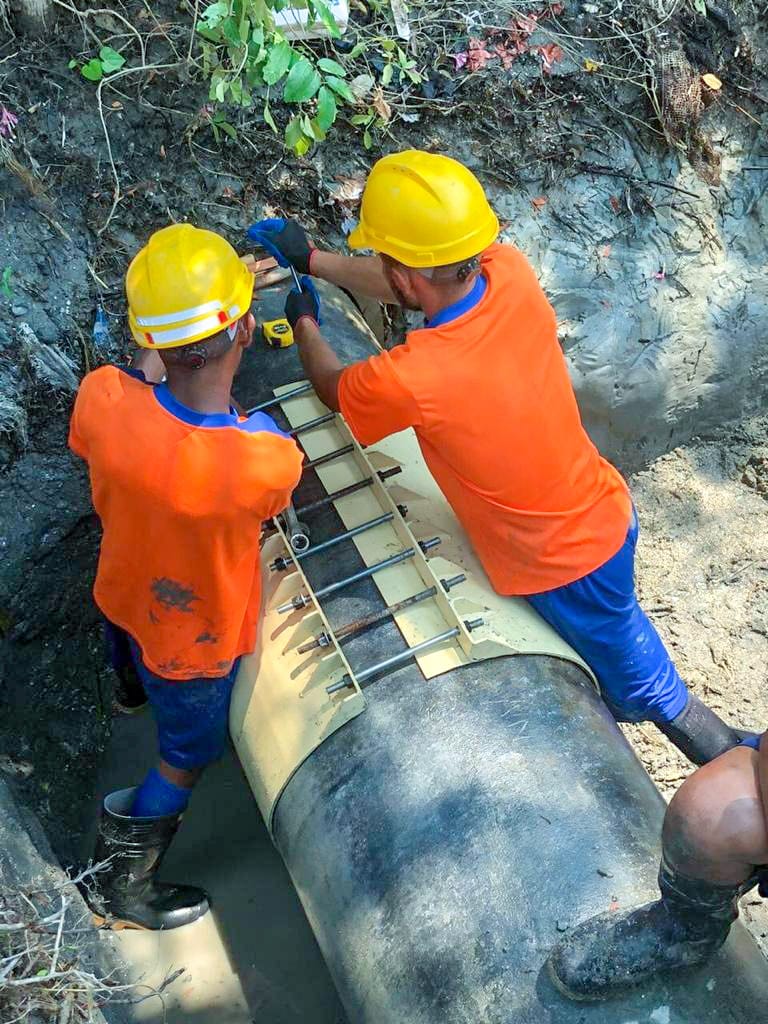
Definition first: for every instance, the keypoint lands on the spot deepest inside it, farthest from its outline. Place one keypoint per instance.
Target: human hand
(305, 303)
(286, 240)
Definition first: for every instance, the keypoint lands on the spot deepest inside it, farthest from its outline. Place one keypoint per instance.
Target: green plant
(5, 281)
(94, 70)
(247, 58)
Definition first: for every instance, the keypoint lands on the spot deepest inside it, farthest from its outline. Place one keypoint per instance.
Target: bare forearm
(361, 274)
(320, 362)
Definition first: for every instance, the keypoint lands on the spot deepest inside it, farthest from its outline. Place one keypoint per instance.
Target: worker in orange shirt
(485, 386)
(182, 484)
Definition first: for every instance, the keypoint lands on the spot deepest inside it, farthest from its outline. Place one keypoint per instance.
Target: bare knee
(715, 826)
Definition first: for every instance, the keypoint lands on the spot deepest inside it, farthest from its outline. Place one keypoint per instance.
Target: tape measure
(277, 333)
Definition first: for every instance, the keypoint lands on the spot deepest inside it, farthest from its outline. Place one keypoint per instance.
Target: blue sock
(157, 797)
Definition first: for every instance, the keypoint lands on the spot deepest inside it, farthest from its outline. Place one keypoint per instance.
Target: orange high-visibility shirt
(181, 496)
(487, 391)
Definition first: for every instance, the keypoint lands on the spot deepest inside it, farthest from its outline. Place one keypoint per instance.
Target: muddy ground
(661, 289)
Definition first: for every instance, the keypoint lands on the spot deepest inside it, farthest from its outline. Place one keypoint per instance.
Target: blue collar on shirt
(457, 309)
(258, 421)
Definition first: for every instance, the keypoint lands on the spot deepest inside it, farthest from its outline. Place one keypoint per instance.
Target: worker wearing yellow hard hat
(181, 483)
(485, 386)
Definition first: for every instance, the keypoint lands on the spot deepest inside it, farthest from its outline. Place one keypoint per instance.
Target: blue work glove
(303, 303)
(285, 240)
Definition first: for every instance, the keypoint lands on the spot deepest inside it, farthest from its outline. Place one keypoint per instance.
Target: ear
(245, 328)
(401, 276)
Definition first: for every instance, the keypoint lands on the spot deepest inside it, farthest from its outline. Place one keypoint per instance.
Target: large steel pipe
(443, 840)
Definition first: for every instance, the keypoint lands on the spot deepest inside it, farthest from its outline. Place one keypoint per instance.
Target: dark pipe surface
(443, 840)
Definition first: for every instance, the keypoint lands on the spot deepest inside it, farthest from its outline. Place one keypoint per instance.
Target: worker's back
(181, 496)
(489, 396)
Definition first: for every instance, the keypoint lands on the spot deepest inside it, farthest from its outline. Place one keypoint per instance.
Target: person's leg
(191, 717)
(129, 695)
(600, 617)
(139, 824)
(715, 834)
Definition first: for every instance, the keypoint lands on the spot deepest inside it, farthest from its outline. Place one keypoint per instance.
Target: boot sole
(577, 997)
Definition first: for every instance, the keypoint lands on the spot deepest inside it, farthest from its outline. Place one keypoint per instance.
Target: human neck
(439, 299)
(207, 390)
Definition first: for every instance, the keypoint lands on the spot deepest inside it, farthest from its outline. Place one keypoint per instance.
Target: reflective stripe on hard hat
(183, 314)
(186, 284)
(179, 335)
(424, 210)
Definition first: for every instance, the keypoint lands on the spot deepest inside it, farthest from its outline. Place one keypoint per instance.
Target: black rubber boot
(125, 894)
(613, 952)
(129, 696)
(700, 733)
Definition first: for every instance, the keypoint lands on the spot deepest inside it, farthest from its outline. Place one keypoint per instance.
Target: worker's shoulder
(259, 436)
(506, 256)
(108, 382)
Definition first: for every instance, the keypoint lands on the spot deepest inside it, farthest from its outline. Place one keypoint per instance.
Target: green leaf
(326, 108)
(367, 139)
(293, 132)
(5, 281)
(341, 88)
(236, 90)
(359, 119)
(226, 127)
(72, 63)
(231, 31)
(220, 90)
(316, 131)
(213, 36)
(295, 138)
(92, 70)
(327, 18)
(414, 76)
(277, 62)
(386, 75)
(701, 7)
(303, 82)
(332, 67)
(111, 60)
(357, 49)
(267, 115)
(214, 14)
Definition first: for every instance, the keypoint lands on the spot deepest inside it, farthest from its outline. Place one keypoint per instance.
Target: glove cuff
(312, 252)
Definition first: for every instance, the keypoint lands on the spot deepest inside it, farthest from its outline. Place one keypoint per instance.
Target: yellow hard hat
(424, 210)
(186, 284)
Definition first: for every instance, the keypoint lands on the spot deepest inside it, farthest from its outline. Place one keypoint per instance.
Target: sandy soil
(702, 574)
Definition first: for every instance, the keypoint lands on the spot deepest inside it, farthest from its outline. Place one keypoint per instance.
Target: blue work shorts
(191, 715)
(599, 616)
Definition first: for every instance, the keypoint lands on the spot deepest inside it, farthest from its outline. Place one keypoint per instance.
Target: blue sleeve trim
(259, 422)
(136, 374)
(457, 309)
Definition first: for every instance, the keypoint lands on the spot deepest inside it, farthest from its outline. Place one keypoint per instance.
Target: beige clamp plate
(281, 711)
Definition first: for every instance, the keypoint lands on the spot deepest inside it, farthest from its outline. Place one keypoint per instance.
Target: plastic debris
(712, 82)
(101, 336)
(400, 14)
